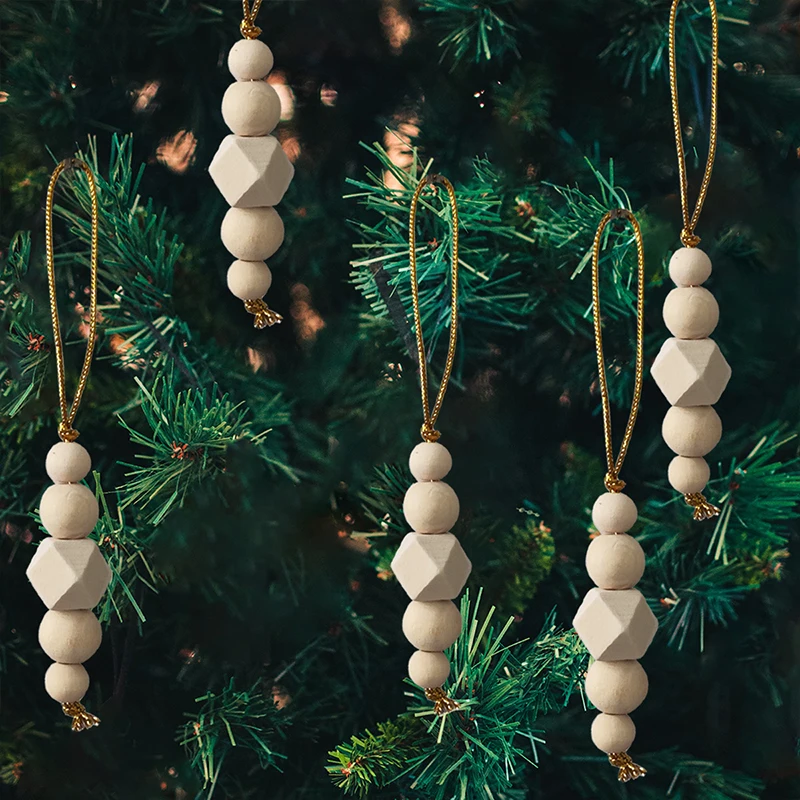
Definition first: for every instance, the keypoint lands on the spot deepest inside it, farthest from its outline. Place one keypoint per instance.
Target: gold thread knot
(429, 433)
(265, 317)
(613, 483)
(689, 239)
(82, 720)
(442, 704)
(628, 771)
(703, 510)
(249, 29)
(67, 433)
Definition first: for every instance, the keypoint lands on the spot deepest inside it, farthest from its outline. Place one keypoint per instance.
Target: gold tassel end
(442, 704)
(265, 317)
(703, 510)
(82, 720)
(628, 771)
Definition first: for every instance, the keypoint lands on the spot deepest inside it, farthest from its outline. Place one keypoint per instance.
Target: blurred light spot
(397, 143)
(328, 95)
(277, 80)
(144, 96)
(396, 24)
(177, 152)
(307, 320)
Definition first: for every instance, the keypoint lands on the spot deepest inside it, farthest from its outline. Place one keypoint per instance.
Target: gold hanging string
(612, 479)
(429, 432)
(688, 236)
(65, 429)
(248, 25)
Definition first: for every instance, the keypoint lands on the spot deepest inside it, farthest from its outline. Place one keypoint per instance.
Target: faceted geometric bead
(251, 171)
(431, 566)
(615, 625)
(691, 372)
(68, 574)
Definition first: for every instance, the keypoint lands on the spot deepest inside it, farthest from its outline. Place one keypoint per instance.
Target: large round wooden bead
(251, 108)
(252, 234)
(692, 432)
(68, 462)
(689, 267)
(614, 512)
(249, 280)
(66, 683)
(689, 475)
(250, 60)
(431, 507)
(432, 626)
(615, 562)
(691, 312)
(70, 637)
(428, 670)
(430, 461)
(69, 510)
(616, 687)
(613, 733)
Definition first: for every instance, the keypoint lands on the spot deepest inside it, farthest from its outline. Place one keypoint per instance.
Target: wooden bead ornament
(68, 570)
(614, 621)
(251, 170)
(430, 563)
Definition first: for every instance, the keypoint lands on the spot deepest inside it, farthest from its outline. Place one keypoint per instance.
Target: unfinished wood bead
(615, 562)
(69, 510)
(614, 512)
(70, 637)
(428, 670)
(251, 108)
(430, 461)
(691, 312)
(68, 462)
(252, 234)
(431, 507)
(692, 432)
(250, 60)
(616, 687)
(431, 567)
(613, 733)
(689, 475)
(249, 280)
(689, 267)
(66, 683)
(432, 626)
(691, 372)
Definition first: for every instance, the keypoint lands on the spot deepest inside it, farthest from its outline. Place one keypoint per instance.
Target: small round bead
(66, 683)
(615, 562)
(432, 626)
(616, 687)
(69, 510)
(689, 267)
(691, 312)
(430, 461)
(614, 512)
(431, 507)
(428, 670)
(692, 432)
(613, 733)
(252, 234)
(68, 462)
(251, 108)
(70, 637)
(689, 475)
(250, 60)
(249, 280)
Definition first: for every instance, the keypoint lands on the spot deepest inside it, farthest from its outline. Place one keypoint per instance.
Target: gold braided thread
(429, 432)
(703, 510)
(248, 25)
(65, 429)
(628, 771)
(265, 317)
(688, 236)
(442, 704)
(612, 479)
(82, 720)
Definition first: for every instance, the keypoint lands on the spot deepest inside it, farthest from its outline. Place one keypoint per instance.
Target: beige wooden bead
(70, 637)
(691, 312)
(249, 280)
(691, 372)
(69, 510)
(66, 683)
(252, 234)
(251, 108)
(431, 507)
(432, 626)
(614, 512)
(688, 475)
(68, 462)
(431, 567)
(250, 60)
(613, 733)
(689, 267)
(615, 562)
(692, 432)
(616, 687)
(428, 670)
(430, 461)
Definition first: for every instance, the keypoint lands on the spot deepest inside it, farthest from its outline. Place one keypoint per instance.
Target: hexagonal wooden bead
(615, 625)
(431, 566)
(691, 372)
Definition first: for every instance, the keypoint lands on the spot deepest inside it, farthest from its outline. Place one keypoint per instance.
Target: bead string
(248, 25)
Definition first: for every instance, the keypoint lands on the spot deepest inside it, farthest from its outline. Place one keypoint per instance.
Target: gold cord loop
(628, 771)
(248, 25)
(688, 236)
(65, 429)
(82, 720)
(428, 430)
(612, 479)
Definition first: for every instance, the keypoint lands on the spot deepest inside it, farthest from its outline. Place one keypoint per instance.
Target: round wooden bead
(431, 507)
(616, 687)
(689, 475)
(692, 432)
(691, 312)
(250, 60)
(615, 562)
(249, 280)
(251, 108)
(68, 462)
(430, 461)
(614, 512)
(66, 683)
(432, 626)
(69, 510)
(252, 234)
(428, 670)
(689, 267)
(70, 637)
(613, 733)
